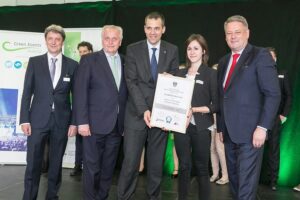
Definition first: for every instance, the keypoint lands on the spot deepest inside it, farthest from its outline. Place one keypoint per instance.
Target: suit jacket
(205, 94)
(141, 86)
(97, 100)
(252, 96)
(286, 93)
(38, 88)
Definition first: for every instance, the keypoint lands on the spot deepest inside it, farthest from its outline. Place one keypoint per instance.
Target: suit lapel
(64, 70)
(201, 71)
(224, 68)
(241, 62)
(103, 63)
(122, 82)
(145, 57)
(45, 66)
(162, 57)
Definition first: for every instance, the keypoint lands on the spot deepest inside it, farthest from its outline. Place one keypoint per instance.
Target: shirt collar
(58, 56)
(108, 55)
(239, 52)
(150, 46)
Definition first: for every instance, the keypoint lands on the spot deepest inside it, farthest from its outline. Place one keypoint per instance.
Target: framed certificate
(172, 102)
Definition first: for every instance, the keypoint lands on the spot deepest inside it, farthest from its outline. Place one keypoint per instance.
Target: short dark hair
(156, 15)
(56, 29)
(201, 40)
(85, 44)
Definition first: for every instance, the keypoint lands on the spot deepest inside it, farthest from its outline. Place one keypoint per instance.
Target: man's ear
(164, 29)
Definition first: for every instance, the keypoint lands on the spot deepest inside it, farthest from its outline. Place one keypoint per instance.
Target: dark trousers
(193, 147)
(100, 153)
(243, 165)
(274, 152)
(78, 150)
(35, 149)
(45, 163)
(134, 141)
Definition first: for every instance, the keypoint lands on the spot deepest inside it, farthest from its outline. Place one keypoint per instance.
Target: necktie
(114, 69)
(234, 59)
(53, 68)
(153, 64)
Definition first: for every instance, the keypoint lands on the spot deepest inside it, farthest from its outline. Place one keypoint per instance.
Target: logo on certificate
(175, 84)
(168, 119)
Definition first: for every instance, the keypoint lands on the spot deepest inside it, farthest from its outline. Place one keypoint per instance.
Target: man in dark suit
(274, 134)
(46, 112)
(249, 96)
(83, 49)
(144, 60)
(100, 95)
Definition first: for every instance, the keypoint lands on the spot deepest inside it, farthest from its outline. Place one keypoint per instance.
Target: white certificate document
(172, 102)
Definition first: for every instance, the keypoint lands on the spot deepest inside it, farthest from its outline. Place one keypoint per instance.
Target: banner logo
(17, 46)
(17, 64)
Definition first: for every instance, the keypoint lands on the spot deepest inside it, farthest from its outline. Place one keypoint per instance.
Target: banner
(15, 49)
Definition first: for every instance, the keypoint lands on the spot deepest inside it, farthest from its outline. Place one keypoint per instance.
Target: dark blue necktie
(153, 64)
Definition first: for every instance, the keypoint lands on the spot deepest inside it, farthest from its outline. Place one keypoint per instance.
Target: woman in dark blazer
(194, 146)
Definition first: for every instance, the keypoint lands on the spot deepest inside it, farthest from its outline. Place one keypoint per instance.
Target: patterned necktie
(153, 64)
(234, 60)
(114, 69)
(53, 68)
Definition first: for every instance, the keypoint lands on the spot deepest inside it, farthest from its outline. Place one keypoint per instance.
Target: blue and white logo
(8, 64)
(18, 64)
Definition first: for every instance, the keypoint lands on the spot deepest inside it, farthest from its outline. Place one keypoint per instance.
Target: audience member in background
(46, 112)
(83, 49)
(282, 113)
(249, 96)
(194, 146)
(217, 154)
(100, 95)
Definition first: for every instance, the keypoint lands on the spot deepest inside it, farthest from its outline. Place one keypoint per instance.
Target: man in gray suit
(144, 60)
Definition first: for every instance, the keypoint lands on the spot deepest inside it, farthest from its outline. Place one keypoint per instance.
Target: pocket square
(280, 76)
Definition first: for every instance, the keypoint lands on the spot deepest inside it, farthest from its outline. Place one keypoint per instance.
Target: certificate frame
(172, 102)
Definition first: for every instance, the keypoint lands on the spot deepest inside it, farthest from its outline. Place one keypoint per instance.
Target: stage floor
(11, 188)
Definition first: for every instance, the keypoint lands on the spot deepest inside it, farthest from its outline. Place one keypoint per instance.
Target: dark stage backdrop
(272, 23)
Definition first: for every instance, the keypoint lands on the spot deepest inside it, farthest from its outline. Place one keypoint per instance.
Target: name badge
(66, 79)
(280, 76)
(200, 82)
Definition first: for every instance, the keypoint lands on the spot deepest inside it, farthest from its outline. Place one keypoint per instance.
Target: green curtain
(169, 161)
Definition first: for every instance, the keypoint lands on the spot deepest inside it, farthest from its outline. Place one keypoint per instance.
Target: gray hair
(56, 29)
(118, 28)
(236, 18)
